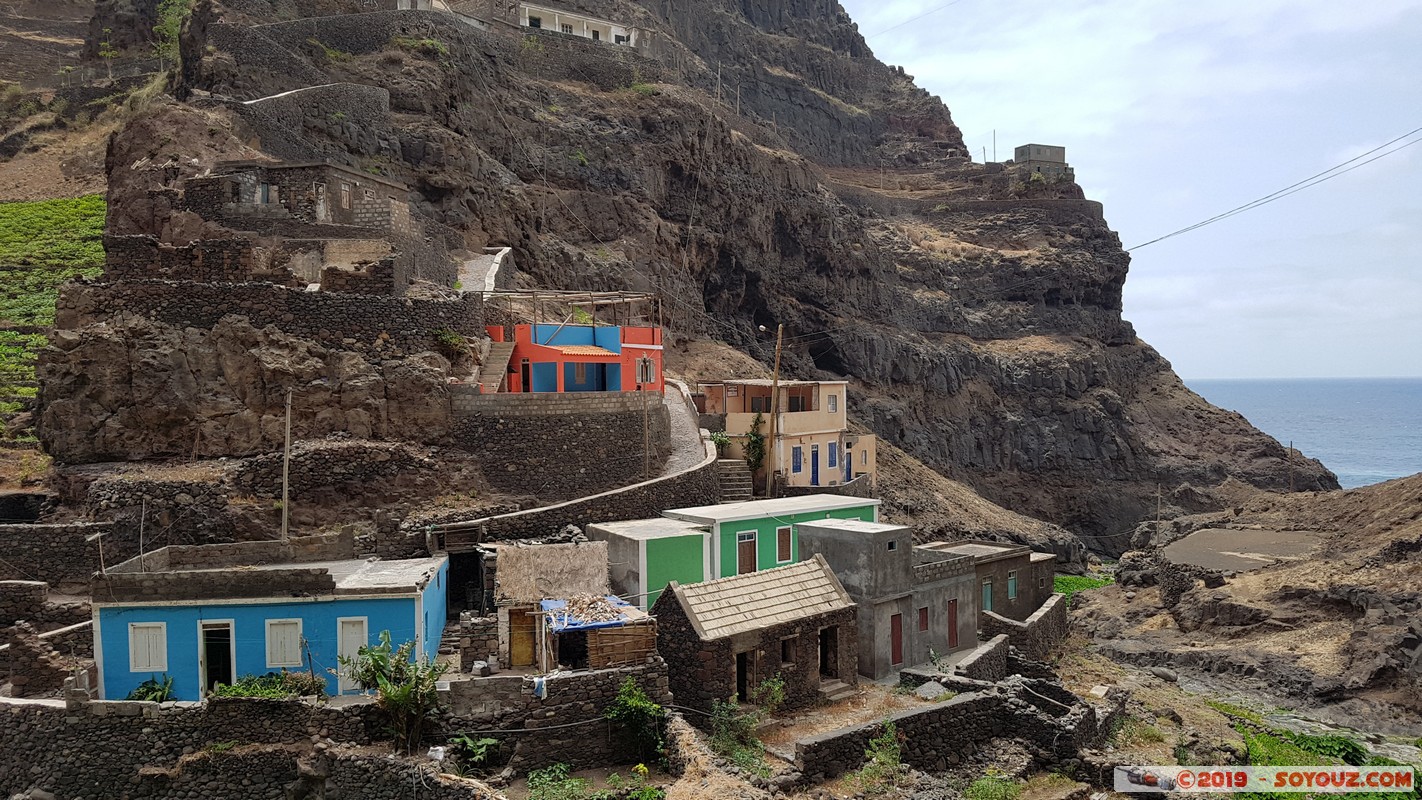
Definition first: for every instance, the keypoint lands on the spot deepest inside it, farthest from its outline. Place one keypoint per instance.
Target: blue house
(205, 615)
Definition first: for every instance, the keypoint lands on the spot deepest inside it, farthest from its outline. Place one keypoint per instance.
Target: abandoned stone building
(721, 639)
(1042, 159)
(1015, 581)
(912, 602)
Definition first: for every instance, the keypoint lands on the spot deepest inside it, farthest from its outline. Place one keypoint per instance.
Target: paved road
(687, 450)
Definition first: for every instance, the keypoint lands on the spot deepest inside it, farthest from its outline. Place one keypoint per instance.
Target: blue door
(814, 465)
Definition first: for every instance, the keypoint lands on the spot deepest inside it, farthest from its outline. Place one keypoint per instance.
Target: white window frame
(299, 662)
(133, 665)
(833, 403)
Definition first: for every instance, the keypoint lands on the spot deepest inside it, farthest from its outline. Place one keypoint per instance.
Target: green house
(760, 534)
(644, 555)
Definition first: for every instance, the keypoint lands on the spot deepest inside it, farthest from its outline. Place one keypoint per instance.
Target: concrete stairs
(496, 366)
(834, 690)
(735, 480)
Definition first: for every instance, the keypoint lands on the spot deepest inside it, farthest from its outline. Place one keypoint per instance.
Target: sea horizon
(1365, 430)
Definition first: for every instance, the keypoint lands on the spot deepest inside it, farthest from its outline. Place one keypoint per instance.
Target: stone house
(1014, 580)
(313, 193)
(1044, 159)
(209, 614)
(913, 603)
(812, 446)
(723, 638)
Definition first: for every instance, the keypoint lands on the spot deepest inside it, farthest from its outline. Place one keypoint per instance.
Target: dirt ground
(1240, 550)
(874, 702)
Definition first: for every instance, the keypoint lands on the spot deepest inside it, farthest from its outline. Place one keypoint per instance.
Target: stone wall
(862, 486)
(323, 470)
(208, 261)
(155, 507)
(478, 639)
(697, 486)
(561, 446)
(89, 750)
(566, 725)
(392, 326)
(1038, 634)
(21, 600)
(1050, 720)
(377, 277)
(53, 553)
(987, 662)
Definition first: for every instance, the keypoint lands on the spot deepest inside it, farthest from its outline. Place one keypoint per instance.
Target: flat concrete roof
(757, 509)
(655, 528)
(1036, 556)
(980, 551)
(358, 576)
(767, 383)
(855, 525)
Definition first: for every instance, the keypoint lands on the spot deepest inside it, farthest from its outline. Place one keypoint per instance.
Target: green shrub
(769, 695)
(154, 690)
(274, 685)
(755, 444)
(642, 721)
(644, 89)
(883, 761)
(426, 47)
(556, 783)
(332, 54)
(733, 737)
(473, 752)
(721, 441)
(1236, 711)
(993, 786)
(1069, 585)
(404, 688)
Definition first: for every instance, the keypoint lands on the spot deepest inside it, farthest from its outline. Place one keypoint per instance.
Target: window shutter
(147, 647)
(283, 643)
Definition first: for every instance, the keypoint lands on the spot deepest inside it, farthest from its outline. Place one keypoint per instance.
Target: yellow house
(812, 445)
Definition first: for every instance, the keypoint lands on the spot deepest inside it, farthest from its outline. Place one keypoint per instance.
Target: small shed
(527, 574)
(596, 632)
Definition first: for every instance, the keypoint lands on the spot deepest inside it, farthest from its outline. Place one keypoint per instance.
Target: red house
(583, 358)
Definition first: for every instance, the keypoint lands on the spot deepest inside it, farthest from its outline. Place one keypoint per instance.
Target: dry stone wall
(1035, 636)
(54, 553)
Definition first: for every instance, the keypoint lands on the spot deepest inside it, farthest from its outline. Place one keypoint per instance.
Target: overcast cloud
(1174, 112)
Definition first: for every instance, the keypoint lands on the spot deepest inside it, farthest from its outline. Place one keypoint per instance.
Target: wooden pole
(646, 436)
(286, 473)
(774, 410)
(1291, 465)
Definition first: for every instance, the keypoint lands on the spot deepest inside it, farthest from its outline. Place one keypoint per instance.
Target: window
(597, 37)
(893, 545)
(923, 619)
(760, 405)
(1012, 585)
(833, 401)
(787, 651)
(797, 458)
(1041, 583)
(345, 195)
(284, 643)
(987, 595)
(646, 370)
(148, 647)
(566, 28)
(796, 402)
(264, 193)
(864, 457)
(535, 22)
(834, 454)
(619, 39)
(580, 373)
(783, 539)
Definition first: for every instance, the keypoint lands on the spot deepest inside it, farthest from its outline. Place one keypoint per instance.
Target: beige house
(812, 445)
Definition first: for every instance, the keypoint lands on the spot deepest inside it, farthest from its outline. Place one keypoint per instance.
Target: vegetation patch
(883, 761)
(733, 738)
(993, 786)
(432, 48)
(274, 685)
(1069, 585)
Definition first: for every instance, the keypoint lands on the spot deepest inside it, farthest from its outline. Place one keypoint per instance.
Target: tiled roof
(582, 350)
(758, 600)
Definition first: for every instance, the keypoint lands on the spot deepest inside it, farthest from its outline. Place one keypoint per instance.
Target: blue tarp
(560, 622)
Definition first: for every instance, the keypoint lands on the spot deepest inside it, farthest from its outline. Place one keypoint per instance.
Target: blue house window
(148, 647)
(284, 643)
(834, 454)
(797, 459)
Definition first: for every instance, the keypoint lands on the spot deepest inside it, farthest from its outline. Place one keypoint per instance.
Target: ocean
(1366, 430)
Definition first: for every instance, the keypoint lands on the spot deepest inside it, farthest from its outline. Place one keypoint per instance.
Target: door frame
(203, 625)
(754, 543)
(952, 623)
(896, 639)
(343, 681)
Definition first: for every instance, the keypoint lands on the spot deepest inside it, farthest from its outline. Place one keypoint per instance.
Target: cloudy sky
(1172, 113)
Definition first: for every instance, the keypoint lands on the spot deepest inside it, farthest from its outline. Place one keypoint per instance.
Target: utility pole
(142, 519)
(994, 144)
(774, 410)
(646, 436)
(985, 154)
(1157, 512)
(1291, 465)
(286, 472)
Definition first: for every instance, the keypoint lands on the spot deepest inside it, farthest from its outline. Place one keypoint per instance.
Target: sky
(1172, 113)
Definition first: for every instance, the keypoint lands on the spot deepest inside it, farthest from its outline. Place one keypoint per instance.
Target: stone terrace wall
(394, 326)
(323, 467)
(700, 485)
(1035, 636)
(92, 750)
(159, 505)
(987, 662)
(54, 554)
(576, 699)
(21, 600)
(862, 486)
(561, 446)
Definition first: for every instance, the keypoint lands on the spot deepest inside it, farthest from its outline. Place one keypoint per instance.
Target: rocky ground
(1334, 629)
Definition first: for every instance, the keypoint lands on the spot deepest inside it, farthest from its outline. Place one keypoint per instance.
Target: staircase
(735, 480)
(834, 690)
(496, 366)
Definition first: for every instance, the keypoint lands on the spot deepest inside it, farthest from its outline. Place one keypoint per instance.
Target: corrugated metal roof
(758, 600)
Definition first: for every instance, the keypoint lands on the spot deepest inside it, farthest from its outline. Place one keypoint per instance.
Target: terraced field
(42, 245)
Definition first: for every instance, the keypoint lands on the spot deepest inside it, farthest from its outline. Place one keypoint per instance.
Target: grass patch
(1069, 585)
(993, 786)
(433, 48)
(332, 54)
(883, 762)
(1235, 711)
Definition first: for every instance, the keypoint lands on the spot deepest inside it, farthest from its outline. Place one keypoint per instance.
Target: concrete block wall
(1038, 634)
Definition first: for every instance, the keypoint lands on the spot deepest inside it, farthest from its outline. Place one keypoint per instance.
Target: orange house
(583, 358)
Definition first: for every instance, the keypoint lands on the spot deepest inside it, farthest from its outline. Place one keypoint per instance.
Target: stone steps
(496, 366)
(835, 690)
(736, 485)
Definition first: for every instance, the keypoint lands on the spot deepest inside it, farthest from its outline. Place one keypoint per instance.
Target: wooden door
(352, 635)
(896, 635)
(521, 636)
(745, 553)
(952, 624)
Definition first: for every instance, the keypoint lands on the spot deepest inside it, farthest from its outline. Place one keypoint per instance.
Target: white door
(353, 636)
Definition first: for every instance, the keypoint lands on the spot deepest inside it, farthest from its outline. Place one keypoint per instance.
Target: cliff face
(761, 168)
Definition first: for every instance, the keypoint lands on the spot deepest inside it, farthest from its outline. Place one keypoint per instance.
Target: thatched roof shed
(530, 573)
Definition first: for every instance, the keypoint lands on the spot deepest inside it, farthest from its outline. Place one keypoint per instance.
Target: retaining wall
(1035, 636)
(988, 662)
(54, 554)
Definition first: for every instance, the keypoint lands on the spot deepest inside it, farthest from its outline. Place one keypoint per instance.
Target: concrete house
(209, 614)
(912, 602)
(575, 24)
(760, 534)
(723, 638)
(1045, 159)
(1013, 580)
(813, 445)
(582, 358)
(645, 555)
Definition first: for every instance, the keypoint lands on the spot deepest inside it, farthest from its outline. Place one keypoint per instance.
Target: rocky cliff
(756, 165)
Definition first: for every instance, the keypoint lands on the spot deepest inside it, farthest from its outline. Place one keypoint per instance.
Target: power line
(1313, 180)
(930, 12)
